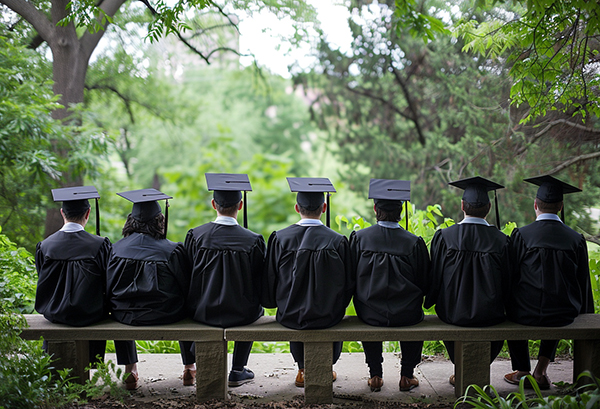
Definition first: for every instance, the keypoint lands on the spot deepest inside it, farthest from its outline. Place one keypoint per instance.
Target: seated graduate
(71, 266)
(147, 275)
(392, 268)
(227, 262)
(308, 276)
(550, 280)
(470, 266)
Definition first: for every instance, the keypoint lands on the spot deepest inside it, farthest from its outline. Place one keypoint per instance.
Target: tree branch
(573, 161)
(89, 40)
(35, 17)
(411, 105)
(549, 125)
(365, 93)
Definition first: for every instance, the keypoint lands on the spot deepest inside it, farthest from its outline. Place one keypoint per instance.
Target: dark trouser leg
(188, 352)
(519, 355)
(241, 353)
(548, 349)
(297, 350)
(411, 356)
(126, 352)
(96, 348)
(374, 357)
(495, 348)
(337, 351)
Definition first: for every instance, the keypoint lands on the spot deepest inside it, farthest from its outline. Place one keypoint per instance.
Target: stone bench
(71, 346)
(472, 346)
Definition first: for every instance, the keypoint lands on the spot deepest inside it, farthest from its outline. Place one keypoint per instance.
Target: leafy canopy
(550, 46)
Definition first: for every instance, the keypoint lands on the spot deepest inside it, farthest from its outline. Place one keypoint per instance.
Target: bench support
(587, 358)
(211, 374)
(317, 372)
(71, 354)
(471, 365)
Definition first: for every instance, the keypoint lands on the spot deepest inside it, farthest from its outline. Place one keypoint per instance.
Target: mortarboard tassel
(97, 219)
(245, 211)
(166, 216)
(562, 213)
(328, 215)
(497, 211)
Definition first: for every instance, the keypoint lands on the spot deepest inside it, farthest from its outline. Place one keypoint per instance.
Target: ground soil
(239, 404)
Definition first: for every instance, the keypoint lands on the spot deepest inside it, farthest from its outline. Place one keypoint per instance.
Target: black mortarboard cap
(551, 190)
(75, 200)
(227, 189)
(310, 192)
(476, 192)
(145, 205)
(388, 194)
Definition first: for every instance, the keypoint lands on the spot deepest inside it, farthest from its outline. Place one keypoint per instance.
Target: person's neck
(226, 215)
(79, 223)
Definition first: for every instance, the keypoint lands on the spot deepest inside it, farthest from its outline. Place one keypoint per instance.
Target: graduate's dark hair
(227, 211)
(77, 216)
(546, 207)
(387, 215)
(154, 228)
(473, 211)
(310, 213)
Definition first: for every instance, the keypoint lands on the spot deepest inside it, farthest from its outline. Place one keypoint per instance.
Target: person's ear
(296, 208)
(240, 205)
(87, 214)
(324, 207)
(375, 209)
(214, 205)
(462, 205)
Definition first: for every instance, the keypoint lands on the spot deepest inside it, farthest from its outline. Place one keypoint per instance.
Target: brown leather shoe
(130, 381)
(300, 378)
(407, 383)
(375, 383)
(189, 376)
(514, 377)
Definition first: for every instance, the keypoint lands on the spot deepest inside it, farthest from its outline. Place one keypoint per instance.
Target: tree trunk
(70, 64)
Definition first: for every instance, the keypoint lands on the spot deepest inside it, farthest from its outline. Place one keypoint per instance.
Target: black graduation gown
(308, 276)
(72, 272)
(147, 280)
(470, 269)
(551, 280)
(392, 268)
(227, 263)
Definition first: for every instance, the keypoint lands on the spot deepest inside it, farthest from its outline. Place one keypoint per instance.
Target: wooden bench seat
(472, 345)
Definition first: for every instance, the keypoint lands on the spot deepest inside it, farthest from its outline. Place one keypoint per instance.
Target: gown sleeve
(269, 278)
(583, 277)
(438, 251)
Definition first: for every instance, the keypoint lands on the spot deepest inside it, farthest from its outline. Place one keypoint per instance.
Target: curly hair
(154, 228)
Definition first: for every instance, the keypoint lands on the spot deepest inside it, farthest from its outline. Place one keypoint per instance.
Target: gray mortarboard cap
(476, 190)
(388, 194)
(310, 191)
(227, 187)
(75, 200)
(145, 205)
(551, 190)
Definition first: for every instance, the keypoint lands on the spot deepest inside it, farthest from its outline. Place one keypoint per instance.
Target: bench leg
(472, 365)
(587, 358)
(317, 372)
(211, 376)
(71, 354)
